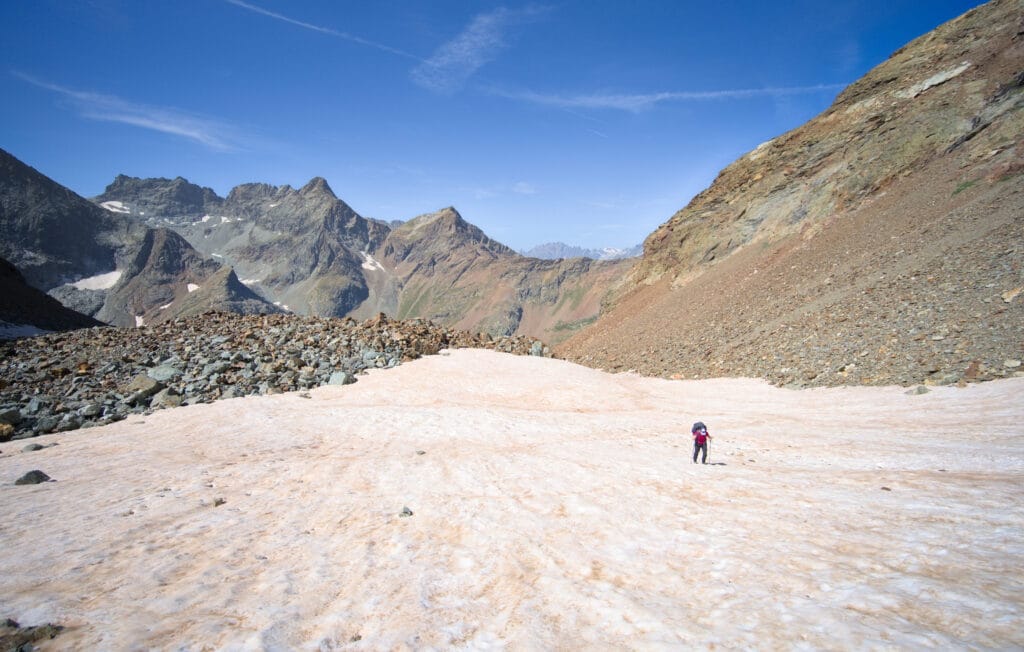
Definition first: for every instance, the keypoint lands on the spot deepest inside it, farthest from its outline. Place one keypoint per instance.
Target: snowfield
(552, 507)
(99, 282)
(115, 207)
(370, 263)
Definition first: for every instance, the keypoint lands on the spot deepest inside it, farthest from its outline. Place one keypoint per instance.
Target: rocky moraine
(95, 376)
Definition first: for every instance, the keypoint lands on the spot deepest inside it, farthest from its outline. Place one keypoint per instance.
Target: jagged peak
(317, 185)
(444, 215)
(447, 225)
(125, 183)
(256, 189)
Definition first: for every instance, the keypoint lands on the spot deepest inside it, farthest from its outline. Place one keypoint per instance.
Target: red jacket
(700, 436)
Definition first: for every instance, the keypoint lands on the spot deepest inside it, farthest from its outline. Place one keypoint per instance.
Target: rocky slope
(450, 271)
(300, 248)
(105, 263)
(310, 253)
(94, 376)
(879, 243)
(24, 307)
(168, 279)
(54, 236)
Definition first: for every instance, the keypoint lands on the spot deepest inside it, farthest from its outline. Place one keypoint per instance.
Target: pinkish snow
(553, 507)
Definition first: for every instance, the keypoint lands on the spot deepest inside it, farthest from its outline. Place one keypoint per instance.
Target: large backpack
(698, 426)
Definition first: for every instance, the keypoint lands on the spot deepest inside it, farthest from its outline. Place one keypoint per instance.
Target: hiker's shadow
(716, 463)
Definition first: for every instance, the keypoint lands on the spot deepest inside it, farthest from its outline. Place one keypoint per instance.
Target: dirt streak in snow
(554, 507)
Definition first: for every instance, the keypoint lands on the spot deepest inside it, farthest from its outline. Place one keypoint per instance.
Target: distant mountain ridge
(166, 197)
(556, 250)
(105, 263)
(309, 252)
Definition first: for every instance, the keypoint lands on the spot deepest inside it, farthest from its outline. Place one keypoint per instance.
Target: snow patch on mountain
(103, 281)
(115, 207)
(371, 263)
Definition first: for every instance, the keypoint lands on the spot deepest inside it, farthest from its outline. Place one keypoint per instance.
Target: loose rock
(33, 477)
(16, 638)
(202, 359)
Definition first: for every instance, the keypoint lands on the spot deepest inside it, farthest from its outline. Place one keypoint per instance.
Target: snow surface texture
(553, 507)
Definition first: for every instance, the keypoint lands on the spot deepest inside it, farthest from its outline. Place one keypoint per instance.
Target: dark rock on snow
(17, 638)
(33, 477)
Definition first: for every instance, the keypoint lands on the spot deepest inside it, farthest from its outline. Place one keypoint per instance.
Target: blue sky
(580, 121)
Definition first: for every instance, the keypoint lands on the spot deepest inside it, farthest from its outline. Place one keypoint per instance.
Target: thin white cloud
(323, 30)
(501, 190)
(480, 42)
(606, 205)
(108, 108)
(484, 193)
(636, 103)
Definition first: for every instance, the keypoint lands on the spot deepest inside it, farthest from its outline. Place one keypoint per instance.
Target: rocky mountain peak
(447, 219)
(446, 231)
(173, 198)
(248, 192)
(317, 186)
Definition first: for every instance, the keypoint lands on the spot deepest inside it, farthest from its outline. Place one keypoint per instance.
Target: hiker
(700, 442)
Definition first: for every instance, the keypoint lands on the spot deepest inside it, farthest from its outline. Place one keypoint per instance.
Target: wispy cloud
(323, 30)
(484, 193)
(108, 108)
(501, 190)
(636, 103)
(457, 60)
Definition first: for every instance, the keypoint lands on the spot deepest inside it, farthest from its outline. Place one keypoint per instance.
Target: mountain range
(556, 250)
(150, 250)
(879, 243)
(106, 264)
(309, 252)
